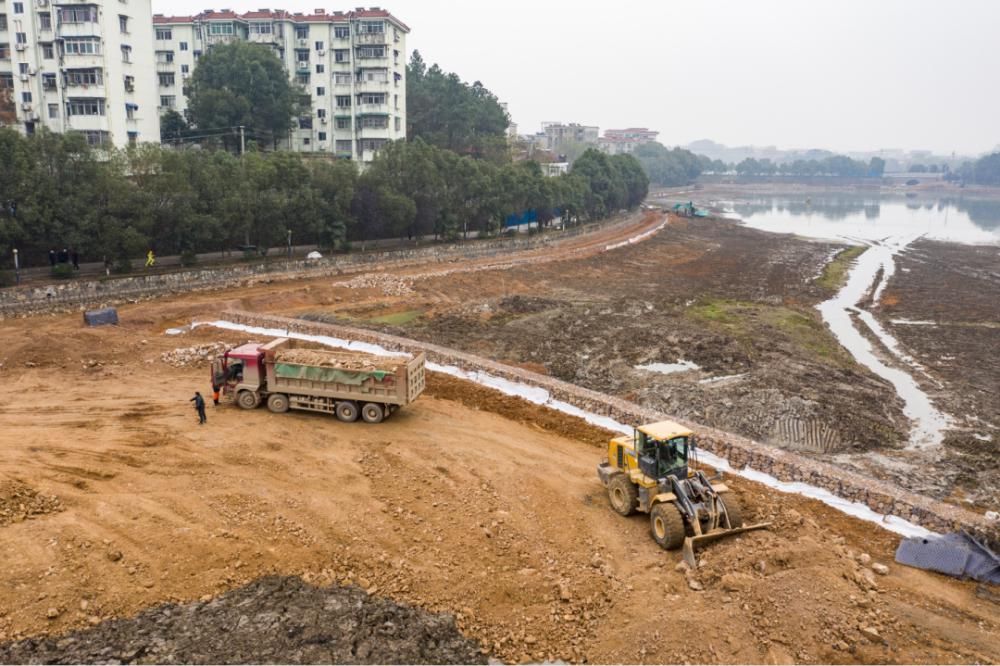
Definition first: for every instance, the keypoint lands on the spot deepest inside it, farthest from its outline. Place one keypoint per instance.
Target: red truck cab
(239, 368)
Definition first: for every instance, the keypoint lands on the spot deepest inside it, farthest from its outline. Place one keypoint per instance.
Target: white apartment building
(624, 141)
(350, 65)
(79, 65)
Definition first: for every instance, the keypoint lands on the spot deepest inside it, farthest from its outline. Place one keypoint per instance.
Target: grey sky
(840, 74)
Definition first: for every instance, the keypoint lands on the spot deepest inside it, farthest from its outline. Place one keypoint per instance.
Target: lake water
(887, 226)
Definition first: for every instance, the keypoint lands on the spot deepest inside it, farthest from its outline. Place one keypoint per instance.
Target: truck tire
(667, 525)
(734, 510)
(247, 399)
(347, 411)
(277, 403)
(622, 494)
(372, 412)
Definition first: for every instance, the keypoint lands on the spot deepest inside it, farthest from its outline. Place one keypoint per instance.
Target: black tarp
(102, 317)
(957, 555)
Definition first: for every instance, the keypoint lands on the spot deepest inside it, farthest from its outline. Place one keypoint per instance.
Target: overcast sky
(835, 74)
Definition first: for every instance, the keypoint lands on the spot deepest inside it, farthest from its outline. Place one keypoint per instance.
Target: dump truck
(290, 374)
(649, 472)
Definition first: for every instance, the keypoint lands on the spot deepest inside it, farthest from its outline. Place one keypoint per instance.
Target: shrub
(122, 265)
(189, 258)
(62, 271)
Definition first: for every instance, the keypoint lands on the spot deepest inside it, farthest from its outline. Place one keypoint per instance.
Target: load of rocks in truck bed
(340, 360)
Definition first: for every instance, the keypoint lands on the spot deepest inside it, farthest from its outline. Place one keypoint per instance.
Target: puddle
(669, 368)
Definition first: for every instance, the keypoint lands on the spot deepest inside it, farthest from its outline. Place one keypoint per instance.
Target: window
(374, 75)
(53, 110)
(372, 144)
(305, 142)
(185, 69)
(302, 57)
(21, 37)
(306, 122)
(4, 51)
(49, 81)
(26, 97)
(302, 32)
(164, 34)
(3, 21)
(261, 29)
(95, 137)
(319, 46)
(84, 14)
(398, 123)
(371, 28)
(85, 106)
(196, 53)
(168, 101)
(166, 78)
(322, 136)
(18, 7)
(133, 138)
(343, 123)
(376, 122)
(372, 98)
(320, 68)
(81, 46)
(302, 79)
(341, 55)
(126, 53)
(220, 29)
(343, 146)
(164, 56)
(6, 80)
(371, 52)
(44, 21)
(343, 101)
(85, 77)
(395, 102)
(122, 23)
(341, 31)
(130, 111)
(343, 79)
(22, 67)
(48, 52)
(129, 84)
(320, 91)
(321, 113)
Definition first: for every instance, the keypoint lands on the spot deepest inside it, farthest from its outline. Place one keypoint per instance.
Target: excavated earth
(132, 534)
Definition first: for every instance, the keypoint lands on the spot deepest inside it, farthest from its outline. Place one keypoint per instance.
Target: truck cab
(239, 369)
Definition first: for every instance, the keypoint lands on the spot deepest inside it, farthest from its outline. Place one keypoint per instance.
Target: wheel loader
(649, 472)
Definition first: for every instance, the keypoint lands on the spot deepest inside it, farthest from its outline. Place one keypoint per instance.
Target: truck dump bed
(294, 367)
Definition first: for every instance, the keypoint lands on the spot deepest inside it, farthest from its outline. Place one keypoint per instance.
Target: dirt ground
(114, 500)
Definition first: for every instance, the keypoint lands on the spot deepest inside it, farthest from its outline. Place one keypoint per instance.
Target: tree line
(984, 171)
(55, 191)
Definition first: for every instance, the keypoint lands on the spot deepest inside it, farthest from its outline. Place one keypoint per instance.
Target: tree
(668, 167)
(918, 168)
(172, 125)
(242, 84)
(876, 167)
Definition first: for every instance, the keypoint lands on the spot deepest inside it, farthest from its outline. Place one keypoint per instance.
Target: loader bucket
(695, 542)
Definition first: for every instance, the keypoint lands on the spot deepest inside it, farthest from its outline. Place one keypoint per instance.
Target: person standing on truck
(199, 405)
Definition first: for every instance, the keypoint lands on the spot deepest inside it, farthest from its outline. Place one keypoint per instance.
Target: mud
(272, 620)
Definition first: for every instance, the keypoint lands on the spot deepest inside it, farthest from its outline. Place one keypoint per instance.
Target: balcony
(372, 109)
(371, 38)
(373, 86)
(302, 67)
(163, 66)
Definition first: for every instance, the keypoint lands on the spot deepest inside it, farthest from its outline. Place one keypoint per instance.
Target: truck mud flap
(693, 543)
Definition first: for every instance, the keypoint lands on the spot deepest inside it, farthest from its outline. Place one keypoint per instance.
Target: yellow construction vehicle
(649, 472)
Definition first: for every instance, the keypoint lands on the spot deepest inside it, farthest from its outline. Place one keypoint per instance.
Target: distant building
(79, 66)
(555, 168)
(621, 141)
(557, 133)
(351, 64)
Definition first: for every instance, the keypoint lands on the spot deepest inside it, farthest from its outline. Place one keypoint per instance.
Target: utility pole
(17, 268)
(243, 142)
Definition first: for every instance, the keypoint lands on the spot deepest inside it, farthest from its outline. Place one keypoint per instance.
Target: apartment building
(557, 134)
(351, 67)
(79, 65)
(622, 141)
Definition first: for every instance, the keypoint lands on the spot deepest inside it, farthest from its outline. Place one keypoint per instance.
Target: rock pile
(339, 360)
(391, 285)
(19, 501)
(197, 355)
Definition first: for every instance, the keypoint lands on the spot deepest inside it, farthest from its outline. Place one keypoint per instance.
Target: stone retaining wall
(76, 294)
(881, 497)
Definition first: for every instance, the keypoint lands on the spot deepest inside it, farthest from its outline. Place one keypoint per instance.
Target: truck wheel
(734, 510)
(347, 411)
(622, 494)
(667, 525)
(277, 403)
(372, 412)
(247, 399)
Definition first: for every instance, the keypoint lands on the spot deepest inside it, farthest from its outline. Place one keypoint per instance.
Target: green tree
(173, 126)
(242, 84)
(876, 167)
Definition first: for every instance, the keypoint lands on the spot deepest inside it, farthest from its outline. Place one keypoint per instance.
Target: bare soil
(468, 503)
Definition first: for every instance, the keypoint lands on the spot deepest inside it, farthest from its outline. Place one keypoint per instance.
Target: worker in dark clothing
(52, 258)
(199, 405)
(215, 393)
(75, 258)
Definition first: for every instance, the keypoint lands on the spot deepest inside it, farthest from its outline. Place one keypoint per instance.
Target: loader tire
(667, 526)
(734, 509)
(277, 403)
(247, 399)
(372, 412)
(622, 495)
(347, 411)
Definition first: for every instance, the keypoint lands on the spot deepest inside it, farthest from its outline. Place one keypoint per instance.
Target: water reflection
(954, 219)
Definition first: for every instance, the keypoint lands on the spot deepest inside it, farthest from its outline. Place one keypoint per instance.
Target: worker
(215, 393)
(150, 258)
(199, 405)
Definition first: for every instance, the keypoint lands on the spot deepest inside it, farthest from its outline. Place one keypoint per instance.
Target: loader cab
(663, 449)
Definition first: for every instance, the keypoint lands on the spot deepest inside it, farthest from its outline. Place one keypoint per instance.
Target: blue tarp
(957, 555)
(526, 217)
